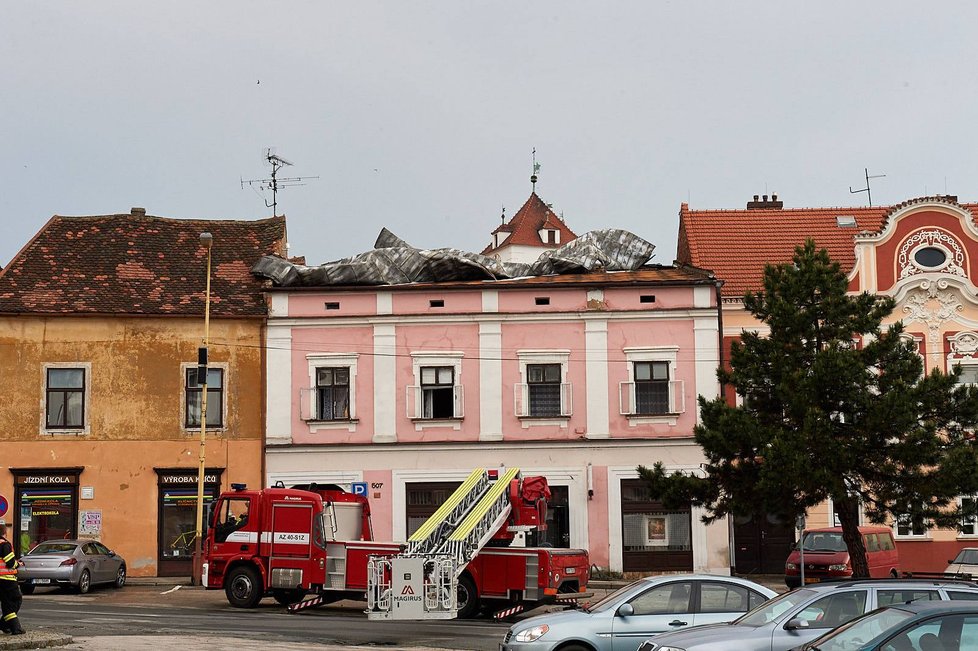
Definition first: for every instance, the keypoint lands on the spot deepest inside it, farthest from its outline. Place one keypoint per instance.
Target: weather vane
(274, 183)
(536, 168)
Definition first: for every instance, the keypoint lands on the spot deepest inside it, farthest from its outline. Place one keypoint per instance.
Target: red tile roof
(526, 224)
(736, 244)
(141, 265)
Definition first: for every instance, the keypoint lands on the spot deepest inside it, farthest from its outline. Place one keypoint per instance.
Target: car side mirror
(111, 553)
(951, 562)
(796, 623)
(626, 610)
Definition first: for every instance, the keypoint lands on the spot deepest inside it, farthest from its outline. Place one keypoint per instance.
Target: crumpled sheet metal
(395, 262)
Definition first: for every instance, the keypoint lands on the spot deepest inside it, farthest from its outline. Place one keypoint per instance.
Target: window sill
(924, 538)
(668, 418)
(210, 430)
(349, 424)
(541, 421)
(434, 423)
(81, 431)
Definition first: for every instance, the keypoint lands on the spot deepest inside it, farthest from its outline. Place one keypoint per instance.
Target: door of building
(761, 544)
(423, 499)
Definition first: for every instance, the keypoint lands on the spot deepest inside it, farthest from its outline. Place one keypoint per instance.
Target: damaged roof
(140, 265)
(395, 262)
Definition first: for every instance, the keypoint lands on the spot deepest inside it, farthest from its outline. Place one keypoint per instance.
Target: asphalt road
(161, 610)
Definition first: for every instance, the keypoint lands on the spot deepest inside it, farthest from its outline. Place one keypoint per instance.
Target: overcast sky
(421, 116)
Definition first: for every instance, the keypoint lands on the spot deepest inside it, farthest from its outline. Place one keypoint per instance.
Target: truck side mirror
(626, 610)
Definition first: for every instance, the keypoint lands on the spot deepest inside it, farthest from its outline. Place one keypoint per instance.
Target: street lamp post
(206, 240)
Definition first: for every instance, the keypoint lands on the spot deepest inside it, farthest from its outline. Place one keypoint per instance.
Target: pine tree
(833, 406)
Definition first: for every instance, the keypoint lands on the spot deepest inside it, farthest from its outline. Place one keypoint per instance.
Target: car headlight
(842, 567)
(790, 566)
(531, 634)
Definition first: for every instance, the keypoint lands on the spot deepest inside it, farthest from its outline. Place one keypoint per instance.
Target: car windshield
(609, 601)
(53, 548)
(967, 557)
(857, 632)
(771, 610)
(824, 541)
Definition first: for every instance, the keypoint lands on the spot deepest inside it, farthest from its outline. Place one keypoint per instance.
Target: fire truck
(309, 545)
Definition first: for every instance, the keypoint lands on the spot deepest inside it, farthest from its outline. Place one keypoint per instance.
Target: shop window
(654, 538)
(45, 507)
(215, 397)
(65, 398)
(423, 499)
(177, 509)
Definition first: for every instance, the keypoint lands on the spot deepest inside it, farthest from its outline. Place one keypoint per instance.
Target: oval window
(930, 256)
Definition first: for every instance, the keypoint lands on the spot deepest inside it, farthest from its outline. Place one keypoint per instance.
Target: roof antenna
(536, 168)
(869, 194)
(274, 183)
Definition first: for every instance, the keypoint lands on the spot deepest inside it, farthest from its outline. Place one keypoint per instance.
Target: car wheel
(243, 587)
(120, 577)
(84, 582)
(27, 588)
(575, 647)
(467, 598)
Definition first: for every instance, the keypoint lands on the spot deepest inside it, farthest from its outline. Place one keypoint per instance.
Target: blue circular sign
(3, 505)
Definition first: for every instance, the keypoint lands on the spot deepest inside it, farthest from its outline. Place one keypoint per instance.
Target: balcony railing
(435, 403)
(652, 398)
(543, 400)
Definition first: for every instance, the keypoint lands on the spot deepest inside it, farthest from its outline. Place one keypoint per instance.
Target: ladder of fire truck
(482, 522)
(435, 531)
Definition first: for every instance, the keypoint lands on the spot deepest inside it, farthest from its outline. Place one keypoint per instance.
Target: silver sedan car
(624, 619)
(79, 564)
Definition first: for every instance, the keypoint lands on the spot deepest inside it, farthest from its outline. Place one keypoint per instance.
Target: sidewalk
(41, 640)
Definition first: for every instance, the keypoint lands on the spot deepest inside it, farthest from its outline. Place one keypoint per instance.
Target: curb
(34, 640)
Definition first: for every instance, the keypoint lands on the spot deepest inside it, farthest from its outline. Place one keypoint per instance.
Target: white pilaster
(596, 381)
(385, 384)
(278, 386)
(490, 380)
(703, 296)
(707, 355)
(385, 303)
(490, 300)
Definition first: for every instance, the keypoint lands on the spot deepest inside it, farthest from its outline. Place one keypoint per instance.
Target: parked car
(915, 626)
(800, 616)
(623, 619)
(71, 563)
(827, 557)
(966, 562)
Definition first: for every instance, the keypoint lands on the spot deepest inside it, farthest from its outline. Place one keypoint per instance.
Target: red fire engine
(288, 543)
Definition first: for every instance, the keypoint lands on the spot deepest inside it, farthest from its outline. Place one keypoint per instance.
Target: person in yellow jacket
(10, 597)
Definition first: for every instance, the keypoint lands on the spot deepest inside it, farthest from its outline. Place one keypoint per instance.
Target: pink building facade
(579, 378)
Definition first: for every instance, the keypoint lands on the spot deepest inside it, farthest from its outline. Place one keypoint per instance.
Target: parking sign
(359, 488)
(4, 504)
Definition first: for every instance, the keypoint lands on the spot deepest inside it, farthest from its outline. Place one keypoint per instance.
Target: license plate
(41, 581)
(809, 579)
(572, 570)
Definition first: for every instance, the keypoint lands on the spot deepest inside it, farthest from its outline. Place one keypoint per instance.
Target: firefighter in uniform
(10, 597)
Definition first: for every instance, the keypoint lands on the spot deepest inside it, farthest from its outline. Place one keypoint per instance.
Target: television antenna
(274, 183)
(869, 195)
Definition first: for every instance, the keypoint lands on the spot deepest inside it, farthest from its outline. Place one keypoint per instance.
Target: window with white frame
(834, 510)
(544, 393)
(333, 393)
(437, 392)
(969, 371)
(905, 528)
(330, 398)
(969, 523)
(651, 389)
(193, 391)
(65, 390)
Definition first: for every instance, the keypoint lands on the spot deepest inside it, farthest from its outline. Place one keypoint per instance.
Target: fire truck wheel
(288, 597)
(243, 587)
(468, 597)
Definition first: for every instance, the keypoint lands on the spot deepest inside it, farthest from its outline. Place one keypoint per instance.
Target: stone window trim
(85, 429)
(316, 361)
(184, 366)
(972, 522)
(528, 357)
(925, 535)
(437, 358)
(668, 354)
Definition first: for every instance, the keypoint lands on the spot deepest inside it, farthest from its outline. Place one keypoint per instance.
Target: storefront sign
(186, 479)
(90, 524)
(47, 479)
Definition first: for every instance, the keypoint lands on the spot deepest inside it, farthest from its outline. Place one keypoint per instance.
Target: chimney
(137, 212)
(764, 204)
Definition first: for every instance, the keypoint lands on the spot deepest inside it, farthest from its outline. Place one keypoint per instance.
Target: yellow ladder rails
(475, 483)
(482, 521)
